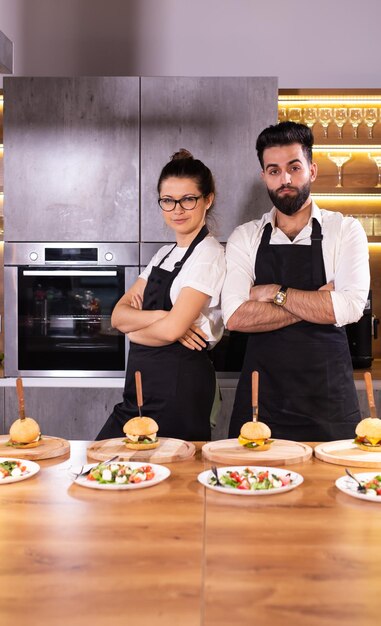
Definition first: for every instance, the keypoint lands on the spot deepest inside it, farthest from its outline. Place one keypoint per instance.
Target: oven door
(59, 323)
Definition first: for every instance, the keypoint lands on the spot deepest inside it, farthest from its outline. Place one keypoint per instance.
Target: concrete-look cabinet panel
(71, 159)
(218, 119)
(2, 416)
(71, 413)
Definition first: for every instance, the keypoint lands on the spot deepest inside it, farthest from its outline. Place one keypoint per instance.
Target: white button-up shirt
(345, 255)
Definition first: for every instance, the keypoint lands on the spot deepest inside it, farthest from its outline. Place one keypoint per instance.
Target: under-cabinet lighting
(376, 197)
(292, 100)
(347, 148)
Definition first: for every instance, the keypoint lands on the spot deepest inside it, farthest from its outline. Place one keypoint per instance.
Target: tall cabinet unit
(72, 159)
(218, 120)
(347, 149)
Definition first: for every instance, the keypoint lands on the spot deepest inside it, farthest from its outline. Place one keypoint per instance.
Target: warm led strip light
(326, 99)
(358, 149)
(348, 196)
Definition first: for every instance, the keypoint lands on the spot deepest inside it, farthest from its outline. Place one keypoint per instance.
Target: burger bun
(25, 433)
(255, 430)
(369, 427)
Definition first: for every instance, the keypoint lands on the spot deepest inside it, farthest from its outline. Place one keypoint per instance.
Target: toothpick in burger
(24, 433)
(141, 433)
(256, 436)
(368, 434)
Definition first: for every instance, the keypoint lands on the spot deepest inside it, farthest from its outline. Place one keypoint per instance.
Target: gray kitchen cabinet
(2, 416)
(71, 159)
(71, 413)
(218, 119)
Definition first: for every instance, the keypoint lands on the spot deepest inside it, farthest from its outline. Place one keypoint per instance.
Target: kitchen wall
(323, 44)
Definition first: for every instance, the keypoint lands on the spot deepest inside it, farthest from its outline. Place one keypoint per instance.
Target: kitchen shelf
(359, 196)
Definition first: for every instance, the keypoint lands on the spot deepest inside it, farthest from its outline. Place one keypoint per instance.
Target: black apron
(178, 383)
(306, 387)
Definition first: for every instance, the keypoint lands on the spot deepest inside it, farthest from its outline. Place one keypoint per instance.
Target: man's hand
(193, 338)
(264, 293)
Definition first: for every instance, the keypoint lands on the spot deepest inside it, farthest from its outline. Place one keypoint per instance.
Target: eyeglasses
(188, 203)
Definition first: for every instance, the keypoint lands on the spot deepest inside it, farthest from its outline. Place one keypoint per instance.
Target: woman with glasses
(172, 312)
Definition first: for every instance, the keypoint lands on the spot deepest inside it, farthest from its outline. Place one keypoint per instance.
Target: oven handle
(69, 273)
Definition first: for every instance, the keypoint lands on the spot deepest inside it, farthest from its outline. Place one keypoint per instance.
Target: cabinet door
(71, 413)
(218, 120)
(71, 163)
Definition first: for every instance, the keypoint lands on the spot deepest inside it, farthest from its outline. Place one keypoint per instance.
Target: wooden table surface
(178, 554)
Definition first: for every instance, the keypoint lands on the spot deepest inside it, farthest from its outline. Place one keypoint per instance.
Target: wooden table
(178, 554)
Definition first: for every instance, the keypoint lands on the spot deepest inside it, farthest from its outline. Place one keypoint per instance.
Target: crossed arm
(260, 314)
(158, 327)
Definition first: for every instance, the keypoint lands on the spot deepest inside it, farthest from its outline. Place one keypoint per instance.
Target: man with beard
(295, 278)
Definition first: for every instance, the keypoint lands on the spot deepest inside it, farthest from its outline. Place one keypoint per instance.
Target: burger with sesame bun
(368, 434)
(256, 436)
(141, 433)
(24, 433)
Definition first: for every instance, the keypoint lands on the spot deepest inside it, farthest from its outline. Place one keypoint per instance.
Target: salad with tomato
(120, 474)
(373, 486)
(13, 469)
(248, 479)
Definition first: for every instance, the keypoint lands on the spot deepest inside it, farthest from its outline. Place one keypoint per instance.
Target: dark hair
(285, 134)
(183, 165)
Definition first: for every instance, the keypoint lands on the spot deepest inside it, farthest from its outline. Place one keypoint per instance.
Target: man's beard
(290, 204)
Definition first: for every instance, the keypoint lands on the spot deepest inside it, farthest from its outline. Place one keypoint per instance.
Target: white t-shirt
(345, 255)
(204, 270)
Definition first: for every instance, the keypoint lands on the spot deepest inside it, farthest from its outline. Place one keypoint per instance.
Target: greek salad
(120, 474)
(248, 479)
(373, 486)
(12, 469)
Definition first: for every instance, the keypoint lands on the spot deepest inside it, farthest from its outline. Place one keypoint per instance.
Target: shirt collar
(315, 213)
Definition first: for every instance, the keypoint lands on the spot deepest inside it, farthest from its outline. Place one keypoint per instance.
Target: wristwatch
(281, 296)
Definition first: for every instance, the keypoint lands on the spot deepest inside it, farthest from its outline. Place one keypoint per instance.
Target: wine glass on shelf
(377, 159)
(370, 118)
(310, 116)
(339, 160)
(325, 118)
(355, 118)
(340, 116)
(295, 115)
(282, 114)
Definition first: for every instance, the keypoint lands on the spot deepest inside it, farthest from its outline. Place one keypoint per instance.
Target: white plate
(31, 469)
(161, 473)
(348, 486)
(296, 480)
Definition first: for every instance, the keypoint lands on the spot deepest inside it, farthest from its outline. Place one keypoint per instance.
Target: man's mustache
(286, 187)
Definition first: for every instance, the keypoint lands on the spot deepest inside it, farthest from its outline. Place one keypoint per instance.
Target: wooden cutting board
(49, 448)
(282, 452)
(169, 451)
(345, 452)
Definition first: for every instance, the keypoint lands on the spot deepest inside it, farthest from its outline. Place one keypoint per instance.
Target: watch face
(280, 298)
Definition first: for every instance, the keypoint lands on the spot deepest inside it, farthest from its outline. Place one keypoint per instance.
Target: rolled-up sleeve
(351, 273)
(239, 272)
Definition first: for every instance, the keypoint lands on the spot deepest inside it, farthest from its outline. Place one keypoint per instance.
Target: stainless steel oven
(58, 301)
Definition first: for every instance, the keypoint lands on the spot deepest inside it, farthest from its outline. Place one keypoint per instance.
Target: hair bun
(182, 153)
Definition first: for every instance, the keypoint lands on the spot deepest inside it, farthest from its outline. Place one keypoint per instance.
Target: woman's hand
(328, 287)
(193, 338)
(136, 301)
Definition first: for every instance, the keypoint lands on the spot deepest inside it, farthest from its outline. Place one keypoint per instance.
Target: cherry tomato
(136, 479)
(244, 484)
(146, 468)
(262, 476)
(235, 476)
